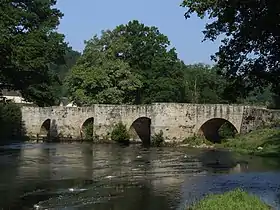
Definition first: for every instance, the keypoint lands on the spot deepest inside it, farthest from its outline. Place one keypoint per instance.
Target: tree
(160, 68)
(204, 85)
(29, 43)
(130, 64)
(109, 83)
(62, 70)
(249, 55)
(259, 97)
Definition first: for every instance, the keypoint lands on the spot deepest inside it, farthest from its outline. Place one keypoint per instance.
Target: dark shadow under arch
(45, 129)
(211, 129)
(87, 129)
(141, 130)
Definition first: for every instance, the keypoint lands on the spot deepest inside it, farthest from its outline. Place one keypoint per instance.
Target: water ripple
(85, 176)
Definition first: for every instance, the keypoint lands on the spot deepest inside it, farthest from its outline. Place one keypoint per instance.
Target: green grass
(268, 139)
(196, 141)
(232, 200)
(261, 142)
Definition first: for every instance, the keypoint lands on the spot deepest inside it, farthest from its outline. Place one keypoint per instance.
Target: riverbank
(261, 142)
(232, 200)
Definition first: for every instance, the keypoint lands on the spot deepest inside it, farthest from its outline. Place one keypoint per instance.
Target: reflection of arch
(141, 130)
(45, 128)
(87, 129)
(210, 129)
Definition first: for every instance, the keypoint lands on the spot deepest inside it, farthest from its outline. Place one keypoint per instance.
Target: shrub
(88, 131)
(197, 141)
(10, 121)
(233, 200)
(227, 130)
(157, 139)
(120, 133)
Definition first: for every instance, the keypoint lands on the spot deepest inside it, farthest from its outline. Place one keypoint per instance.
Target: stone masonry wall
(106, 116)
(255, 117)
(65, 121)
(177, 121)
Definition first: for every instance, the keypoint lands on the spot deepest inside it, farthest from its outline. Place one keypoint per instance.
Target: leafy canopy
(62, 70)
(130, 64)
(204, 85)
(250, 52)
(29, 43)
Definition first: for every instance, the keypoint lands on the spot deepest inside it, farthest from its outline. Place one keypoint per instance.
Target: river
(110, 177)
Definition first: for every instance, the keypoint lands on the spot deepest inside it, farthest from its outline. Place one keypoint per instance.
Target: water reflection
(265, 185)
(86, 176)
(9, 163)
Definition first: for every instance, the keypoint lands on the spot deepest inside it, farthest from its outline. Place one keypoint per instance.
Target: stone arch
(140, 130)
(45, 129)
(210, 129)
(86, 130)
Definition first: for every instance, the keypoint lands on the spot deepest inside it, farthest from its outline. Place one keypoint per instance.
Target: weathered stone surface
(177, 121)
(254, 117)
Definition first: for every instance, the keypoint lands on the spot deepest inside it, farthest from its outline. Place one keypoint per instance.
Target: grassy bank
(235, 200)
(262, 142)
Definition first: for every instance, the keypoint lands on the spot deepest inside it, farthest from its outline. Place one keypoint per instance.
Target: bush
(233, 200)
(275, 103)
(227, 130)
(88, 131)
(157, 139)
(10, 121)
(120, 133)
(196, 141)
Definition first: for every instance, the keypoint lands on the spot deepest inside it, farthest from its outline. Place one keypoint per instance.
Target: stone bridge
(177, 121)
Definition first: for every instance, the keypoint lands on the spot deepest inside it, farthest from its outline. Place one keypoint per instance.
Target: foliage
(263, 142)
(28, 44)
(11, 122)
(112, 82)
(203, 84)
(249, 54)
(227, 130)
(196, 141)
(235, 199)
(274, 103)
(130, 64)
(157, 139)
(120, 133)
(62, 70)
(88, 131)
(259, 96)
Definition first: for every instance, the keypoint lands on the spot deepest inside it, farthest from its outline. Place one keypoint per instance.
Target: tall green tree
(110, 83)
(131, 63)
(29, 43)
(149, 56)
(62, 70)
(249, 55)
(204, 85)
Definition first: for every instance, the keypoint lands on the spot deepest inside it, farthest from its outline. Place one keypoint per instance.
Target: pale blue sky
(84, 18)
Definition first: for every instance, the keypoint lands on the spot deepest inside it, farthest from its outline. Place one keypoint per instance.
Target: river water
(111, 177)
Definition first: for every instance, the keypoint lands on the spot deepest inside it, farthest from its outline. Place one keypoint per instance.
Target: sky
(85, 18)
